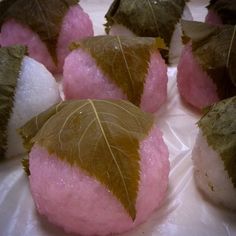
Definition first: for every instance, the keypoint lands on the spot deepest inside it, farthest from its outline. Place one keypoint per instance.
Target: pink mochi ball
(75, 26)
(83, 79)
(71, 199)
(194, 84)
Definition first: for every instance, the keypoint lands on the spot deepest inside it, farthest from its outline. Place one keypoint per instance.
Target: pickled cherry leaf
(44, 17)
(101, 137)
(214, 47)
(123, 59)
(25, 164)
(10, 65)
(219, 127)
(225, 9)
(146, 18)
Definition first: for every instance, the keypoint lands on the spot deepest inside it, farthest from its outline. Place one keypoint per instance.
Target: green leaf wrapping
(101, 137)
(219, 127)
(225, 9)
(146, 18)
(44, 17)
(10, 64)
(214, 47)
(124, 60)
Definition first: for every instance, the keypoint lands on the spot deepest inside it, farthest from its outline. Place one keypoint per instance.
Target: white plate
(185, 211)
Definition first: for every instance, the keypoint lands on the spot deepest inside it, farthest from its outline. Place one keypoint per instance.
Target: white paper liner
(185, 212)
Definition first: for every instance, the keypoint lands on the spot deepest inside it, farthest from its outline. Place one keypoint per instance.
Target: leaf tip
(160, 43)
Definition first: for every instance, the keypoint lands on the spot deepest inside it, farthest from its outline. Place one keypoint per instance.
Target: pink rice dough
(83, 79)
(213, 18)
(194, 84)
(71, 199)
(76, 25)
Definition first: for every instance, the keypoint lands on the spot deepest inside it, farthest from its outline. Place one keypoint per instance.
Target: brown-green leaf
(44, 17)
(214, 47)
(123, 59)
(225, 9)
(101, 137)
(219, 128)
(146, 18)
(10, 64)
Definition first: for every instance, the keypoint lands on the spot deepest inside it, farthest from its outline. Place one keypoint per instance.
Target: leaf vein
(120, 150)
(110, 150)
(66, 120)
(230, 47)
(126, 63)
(44, 17)
(83, 134)
(153, 15)
(122, 108)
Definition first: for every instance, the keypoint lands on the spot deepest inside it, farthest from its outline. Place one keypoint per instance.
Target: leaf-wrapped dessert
(207, 67)
(45, 27)
(221, 12)
(96, 167)
(150, 18)
(117, 67)
(214, 154)
(26, 89)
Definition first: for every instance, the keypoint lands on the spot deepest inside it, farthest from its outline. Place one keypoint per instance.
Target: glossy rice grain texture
(75, 26)
(36, 91)
(78, 203)
(194, 84)
(210, 174)
(83, 79)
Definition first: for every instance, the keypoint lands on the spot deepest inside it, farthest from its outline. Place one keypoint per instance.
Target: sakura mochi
(97, 167)
(206, 69)
(221, 12)
(214, 154)
(150, 19)
(27, 88)
(46, 28)
(117, 67)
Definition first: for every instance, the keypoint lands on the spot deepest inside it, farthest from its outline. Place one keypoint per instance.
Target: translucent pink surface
(155, 88)
(76, 25)
(194, 85)
(213, 18)
(15, 33)
(83, 79)
(80, 204)
(184, 213)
